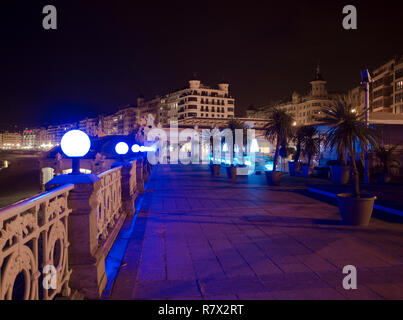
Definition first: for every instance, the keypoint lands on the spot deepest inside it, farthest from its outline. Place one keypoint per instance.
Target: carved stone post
(139, 176)
(86, 261)
(129, 193)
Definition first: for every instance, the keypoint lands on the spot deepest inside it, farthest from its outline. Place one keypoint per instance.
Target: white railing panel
(34, 238)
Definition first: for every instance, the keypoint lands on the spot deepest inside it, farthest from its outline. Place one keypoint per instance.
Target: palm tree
(387, 157)
(347, 131)
(310, 143)
(279, 130)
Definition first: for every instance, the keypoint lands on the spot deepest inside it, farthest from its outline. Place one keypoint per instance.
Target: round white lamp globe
(136, 148)
(75, 143)
(122, 148)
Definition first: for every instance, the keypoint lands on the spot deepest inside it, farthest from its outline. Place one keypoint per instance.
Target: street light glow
(136, 148)
(121, 148)
(75, 143)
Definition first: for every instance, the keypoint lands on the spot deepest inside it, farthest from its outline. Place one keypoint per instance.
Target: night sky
(105, 53)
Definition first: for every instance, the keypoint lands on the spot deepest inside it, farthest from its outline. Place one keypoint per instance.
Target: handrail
(26, 204)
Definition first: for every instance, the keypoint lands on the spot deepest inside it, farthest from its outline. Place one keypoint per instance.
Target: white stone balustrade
(72, 226)
(34, 234)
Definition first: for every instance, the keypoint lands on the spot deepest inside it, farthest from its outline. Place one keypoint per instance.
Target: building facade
(34, 138)
(195, 101)
(11, 140)
(387, 87)
(303, 108)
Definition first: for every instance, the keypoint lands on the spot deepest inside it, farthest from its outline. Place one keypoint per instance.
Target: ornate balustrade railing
(34, 247)
(60, 239)
(109, 197)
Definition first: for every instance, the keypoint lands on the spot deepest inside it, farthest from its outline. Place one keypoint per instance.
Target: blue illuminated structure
(75, 144)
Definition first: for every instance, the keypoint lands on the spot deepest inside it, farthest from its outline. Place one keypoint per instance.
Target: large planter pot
(356, 211)
(382, 178)
(292, 168)
(305, 171)
(273, 178)
(231, 172)
(215, 169)
(340, 174)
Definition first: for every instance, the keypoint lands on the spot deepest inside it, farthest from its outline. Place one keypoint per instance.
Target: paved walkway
(199, 237)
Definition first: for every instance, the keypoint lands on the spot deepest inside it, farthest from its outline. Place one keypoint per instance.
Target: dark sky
(105, 53)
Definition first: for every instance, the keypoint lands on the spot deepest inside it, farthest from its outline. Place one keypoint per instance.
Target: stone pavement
(203, 237)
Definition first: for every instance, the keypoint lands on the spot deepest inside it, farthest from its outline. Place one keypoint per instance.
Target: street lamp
(366, 80)
(121, 148)
(136, 148)
(75, 144)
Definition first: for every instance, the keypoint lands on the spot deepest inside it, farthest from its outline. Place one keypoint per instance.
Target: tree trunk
(355, 175)
(276, 154)
(297, 152)
(309, 160)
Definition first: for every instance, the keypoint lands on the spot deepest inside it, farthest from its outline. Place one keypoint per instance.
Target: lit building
(11, 140)
(122, 122)
(34, 138)
(303, 108)
(387, 87)
(195, 101)
(89, 126)
(56, 132)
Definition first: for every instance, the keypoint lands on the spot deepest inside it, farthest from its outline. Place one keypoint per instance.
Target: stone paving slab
(204, 237)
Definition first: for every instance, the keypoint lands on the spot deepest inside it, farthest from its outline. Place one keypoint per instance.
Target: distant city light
(122, 148)
(136, 148)
(294, 123)
(75, 143)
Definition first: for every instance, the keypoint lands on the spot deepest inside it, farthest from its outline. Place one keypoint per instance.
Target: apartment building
(34, 138)
(303, 108)
(387, 87)
(11, 140)
(195, 101)
(122, 122)
(90, 126)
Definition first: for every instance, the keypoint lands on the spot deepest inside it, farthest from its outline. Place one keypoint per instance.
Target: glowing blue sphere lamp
(122, 148)
(136, 148)
(75, 144)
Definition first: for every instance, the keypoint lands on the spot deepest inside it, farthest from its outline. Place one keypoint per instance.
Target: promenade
(203, 237)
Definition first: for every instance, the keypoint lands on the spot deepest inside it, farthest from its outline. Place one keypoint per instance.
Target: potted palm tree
(298, 137)
(278, 131)
(388, 159)
(347, 132)
(310, 147)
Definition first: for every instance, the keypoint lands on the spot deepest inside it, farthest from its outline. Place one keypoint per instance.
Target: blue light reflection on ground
(115, 257)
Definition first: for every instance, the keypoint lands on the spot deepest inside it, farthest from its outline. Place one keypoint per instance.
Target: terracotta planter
(231, 172)
(273, 178)
(215, 169)
(340, 174)
(356, 211)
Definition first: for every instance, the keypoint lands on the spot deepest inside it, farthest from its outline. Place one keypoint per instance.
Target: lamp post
(366, 80)
(75, 144)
